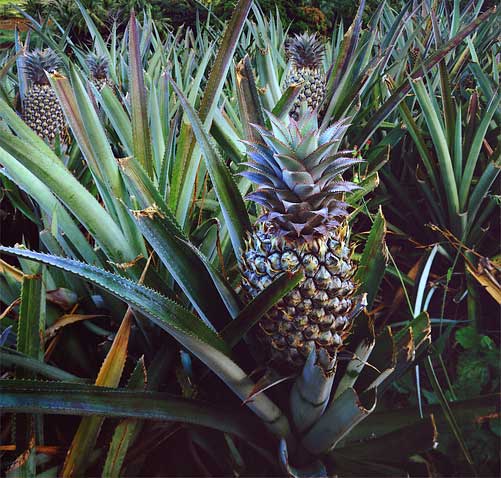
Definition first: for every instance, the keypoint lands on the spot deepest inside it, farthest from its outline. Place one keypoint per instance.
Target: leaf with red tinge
(270, 379)
(141, 138)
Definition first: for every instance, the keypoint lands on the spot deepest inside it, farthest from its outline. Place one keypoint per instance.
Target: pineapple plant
(41, 109)
(99, 70)
(306, 53)
(298, 170)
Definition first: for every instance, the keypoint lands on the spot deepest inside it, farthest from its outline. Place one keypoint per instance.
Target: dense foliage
(137, 154)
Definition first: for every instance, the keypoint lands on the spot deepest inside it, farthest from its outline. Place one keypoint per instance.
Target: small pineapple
(41, 109)
(99, 70)
(415, 57)
(306, 53)
(298, 175)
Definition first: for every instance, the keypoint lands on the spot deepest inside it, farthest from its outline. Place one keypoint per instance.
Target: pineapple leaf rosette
(298, 172)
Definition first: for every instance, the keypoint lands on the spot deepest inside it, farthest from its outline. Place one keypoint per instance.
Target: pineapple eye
(333, 244)
(264, 282)
(326, 322)
(293, 298)
(311, 331)
(343, 267)
(321, 298)
(322, 278)
(324, 338)
(310, 263)
(274, 262)
(331, 260)
(260, 264)
(305, 306)
(301, 321)
(308, 288)
(289, 261)
(341, 322)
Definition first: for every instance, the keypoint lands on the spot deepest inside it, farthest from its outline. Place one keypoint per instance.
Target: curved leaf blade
(89, 400)
(230, 200)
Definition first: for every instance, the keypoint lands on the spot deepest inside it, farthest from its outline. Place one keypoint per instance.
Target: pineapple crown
(38, 61)
(305, 51)
(98, 65)
(297, 169)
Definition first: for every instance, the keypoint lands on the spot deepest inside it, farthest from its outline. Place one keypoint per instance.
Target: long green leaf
(249, 101)
(440, 142)
(91, 136)
(185, 327)
(187, 264)
(52, 172)
(31, 326)
(475, 148)
(9, 358)
(70, 399)
(286, 101)
(372, 265)
(391, 103)
(31, 323)
(141, 139)
(257, 307)
(184, 265)
(182, 191)
(391, 448)
(481, 190)
(230, 199)
(382, 422)
(48, 202)
(118, 117)
(164, 312)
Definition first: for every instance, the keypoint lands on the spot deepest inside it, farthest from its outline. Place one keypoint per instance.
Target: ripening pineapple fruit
(41, 109)
(99, 70)
(415, 57)
(298, 170)
(306, 53)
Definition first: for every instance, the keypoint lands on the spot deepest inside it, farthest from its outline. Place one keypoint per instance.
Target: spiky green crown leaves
(298, 169)
(305, 51)
(38, 61)
(98, 65)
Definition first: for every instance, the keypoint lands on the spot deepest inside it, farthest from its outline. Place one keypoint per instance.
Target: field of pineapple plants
(237, 242)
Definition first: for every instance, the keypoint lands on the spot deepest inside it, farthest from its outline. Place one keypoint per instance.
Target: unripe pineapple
(415, 57)
(99, 70)
(298, 170)
(306, 53)
(41, 109)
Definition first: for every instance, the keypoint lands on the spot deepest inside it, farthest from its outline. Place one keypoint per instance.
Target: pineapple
(41, 109)
(306, 53)
(99, 70)
(299, 184)
(415, 57)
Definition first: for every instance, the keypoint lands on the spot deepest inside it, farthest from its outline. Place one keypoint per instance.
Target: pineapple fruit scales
(297, 171)
(41, 109)
(306, 53)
